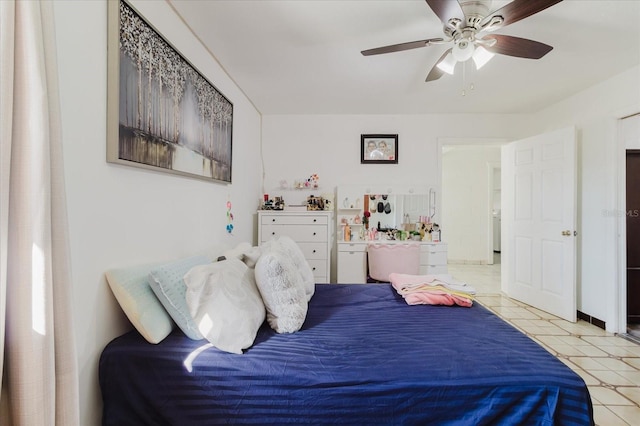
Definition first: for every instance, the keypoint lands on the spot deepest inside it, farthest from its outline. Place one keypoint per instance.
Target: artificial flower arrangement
(312, 182)
(365, 218)
(309, 183)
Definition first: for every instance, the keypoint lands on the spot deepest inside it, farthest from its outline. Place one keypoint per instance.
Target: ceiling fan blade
(402, 46)
(446, 9)
(519, 47)
(436, 72)
(519, 9)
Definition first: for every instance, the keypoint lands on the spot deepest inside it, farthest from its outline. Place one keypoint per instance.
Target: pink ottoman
(387, 258)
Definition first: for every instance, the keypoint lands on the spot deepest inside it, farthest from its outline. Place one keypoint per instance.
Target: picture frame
(162, 113)
(379, 149)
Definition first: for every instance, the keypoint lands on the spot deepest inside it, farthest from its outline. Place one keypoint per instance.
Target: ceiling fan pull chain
(473, 72)
(464, 79)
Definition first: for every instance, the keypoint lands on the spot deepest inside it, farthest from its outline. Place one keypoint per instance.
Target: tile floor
(609, 364)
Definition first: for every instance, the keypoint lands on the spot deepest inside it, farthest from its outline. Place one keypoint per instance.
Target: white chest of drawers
(312, 231)
(352, 259)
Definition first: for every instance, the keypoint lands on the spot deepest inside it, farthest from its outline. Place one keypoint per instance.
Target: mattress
(363, 356)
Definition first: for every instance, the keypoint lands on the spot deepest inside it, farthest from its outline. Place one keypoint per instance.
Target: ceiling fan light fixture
(448, 64)
(463, 50)
(481, 56)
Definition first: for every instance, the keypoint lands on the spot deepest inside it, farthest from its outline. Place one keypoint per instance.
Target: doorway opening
(468, 198)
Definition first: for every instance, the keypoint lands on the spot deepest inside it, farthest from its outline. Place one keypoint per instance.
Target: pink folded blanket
(432, 290)
(429, 298)
(412, 282)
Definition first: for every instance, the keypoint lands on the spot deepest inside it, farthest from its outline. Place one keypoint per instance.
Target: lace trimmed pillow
(282, 291)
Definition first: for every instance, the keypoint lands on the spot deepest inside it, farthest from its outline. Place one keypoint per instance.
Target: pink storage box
(385, 259)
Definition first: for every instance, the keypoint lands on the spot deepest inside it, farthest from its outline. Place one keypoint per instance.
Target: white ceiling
(303, 56)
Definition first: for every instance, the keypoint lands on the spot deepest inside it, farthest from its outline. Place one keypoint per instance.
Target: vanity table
(393, 207)
(352, 259)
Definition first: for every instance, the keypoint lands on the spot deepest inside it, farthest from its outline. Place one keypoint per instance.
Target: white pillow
(292, 249)
(167, 283)
(238, 251)
(245, 252)
(225, 304)
(139, 303)
(282, 291)
(251, 256)
(215, 251)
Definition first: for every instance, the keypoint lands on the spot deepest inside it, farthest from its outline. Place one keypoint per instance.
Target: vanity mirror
(394, 211)
(393, 207)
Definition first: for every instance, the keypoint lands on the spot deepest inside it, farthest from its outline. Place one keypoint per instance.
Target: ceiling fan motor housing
(474, 12)
(475, 7)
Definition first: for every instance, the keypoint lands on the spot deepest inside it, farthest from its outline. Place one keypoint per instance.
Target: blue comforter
(363, 356)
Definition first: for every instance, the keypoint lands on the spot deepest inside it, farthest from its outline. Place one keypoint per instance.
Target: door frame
(492, 166)
(619, 304)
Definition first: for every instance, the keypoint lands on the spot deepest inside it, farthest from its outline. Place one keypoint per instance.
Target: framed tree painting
(163, 114)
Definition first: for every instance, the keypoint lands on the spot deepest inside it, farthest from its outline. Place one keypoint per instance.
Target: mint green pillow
(139, 303)
(167, 283)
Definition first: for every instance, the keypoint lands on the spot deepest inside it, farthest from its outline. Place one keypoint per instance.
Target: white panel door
(539, 222)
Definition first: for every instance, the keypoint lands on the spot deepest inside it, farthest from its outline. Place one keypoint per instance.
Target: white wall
(296, 146)
(120, 215)
(595, 113)
(466, 208)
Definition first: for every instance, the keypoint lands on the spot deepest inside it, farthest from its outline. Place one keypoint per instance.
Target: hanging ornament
(229, 218)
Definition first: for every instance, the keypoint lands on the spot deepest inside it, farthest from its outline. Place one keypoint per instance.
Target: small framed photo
(378, 149)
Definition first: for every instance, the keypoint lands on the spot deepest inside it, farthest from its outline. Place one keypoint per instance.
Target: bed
(363, 356)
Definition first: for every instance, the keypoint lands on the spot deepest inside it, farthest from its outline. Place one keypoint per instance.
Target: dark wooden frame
(390, 156)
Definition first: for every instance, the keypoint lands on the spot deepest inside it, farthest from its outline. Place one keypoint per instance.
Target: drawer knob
(314, 233)
(315, 220)
(314, 269)
(273, 220)
(314, 250)
(273, 233)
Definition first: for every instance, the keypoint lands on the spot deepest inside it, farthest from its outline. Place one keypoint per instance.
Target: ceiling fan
(469, 25)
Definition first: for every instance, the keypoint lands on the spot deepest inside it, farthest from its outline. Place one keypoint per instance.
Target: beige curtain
(39, 368)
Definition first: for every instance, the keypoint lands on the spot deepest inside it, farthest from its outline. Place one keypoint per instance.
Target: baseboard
(592, 320)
